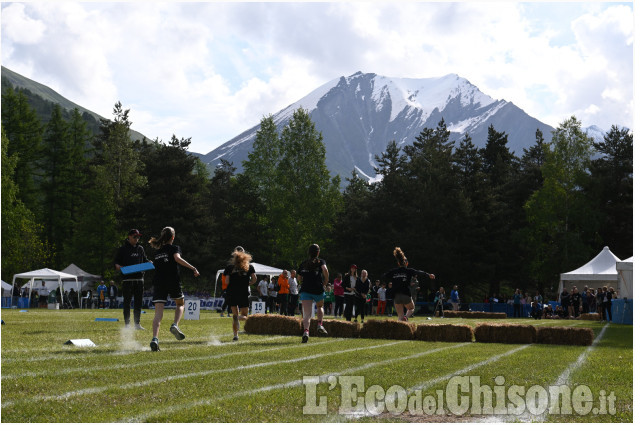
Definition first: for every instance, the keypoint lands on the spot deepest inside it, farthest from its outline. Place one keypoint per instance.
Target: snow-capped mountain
(360, 114)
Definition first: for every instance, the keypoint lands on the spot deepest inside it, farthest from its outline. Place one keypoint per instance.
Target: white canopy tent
(6, 289)
(260, 269)
(82, 276)
(52, 277)
(625, 278)
(600, 271)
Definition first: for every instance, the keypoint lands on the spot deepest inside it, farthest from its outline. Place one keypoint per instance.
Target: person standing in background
(348, 283)
(338, 293)
(112, 294)
(361, 292)
(44, 296)
(293, 294)
(374, 298)
(454, 298)
(262, 291)
(102, 289)
(381, 300)
(129, 254)
(283, 292)
(272, 293)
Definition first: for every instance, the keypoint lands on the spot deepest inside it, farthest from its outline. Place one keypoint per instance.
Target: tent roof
(262, 269)
(625, 265)
(74, 270)
(602, 267)
(6, 286)
(259, 268)
(45, 274)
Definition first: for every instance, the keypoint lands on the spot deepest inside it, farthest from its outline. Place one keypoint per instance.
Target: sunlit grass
(209, 378)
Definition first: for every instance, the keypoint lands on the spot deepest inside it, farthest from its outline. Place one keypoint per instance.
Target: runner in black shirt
(313, 275)
(167, 282)
(241, 274)
(400, 278)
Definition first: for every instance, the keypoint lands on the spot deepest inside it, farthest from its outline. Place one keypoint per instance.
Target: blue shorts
(305, 296)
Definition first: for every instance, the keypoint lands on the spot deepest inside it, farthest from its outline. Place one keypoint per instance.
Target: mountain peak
(360, 114)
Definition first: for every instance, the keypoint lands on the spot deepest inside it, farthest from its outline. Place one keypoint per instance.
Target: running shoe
(305, 337)
(138, 327)
(322, 331)
(235, 338)
(177, 332)
(154, 344)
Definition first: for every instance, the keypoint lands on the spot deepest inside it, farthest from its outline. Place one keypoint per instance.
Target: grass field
(209, 378)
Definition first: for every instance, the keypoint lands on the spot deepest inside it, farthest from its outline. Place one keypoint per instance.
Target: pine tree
(23, 248)
(54, 188)
(24, 130)
(611, 189)
(310, 198)
(562, 224)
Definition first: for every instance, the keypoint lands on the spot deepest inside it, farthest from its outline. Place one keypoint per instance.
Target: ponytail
(241, 260)
(400, 257)
(166, 235)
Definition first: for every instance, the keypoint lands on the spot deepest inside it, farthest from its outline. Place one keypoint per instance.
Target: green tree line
(482, 218)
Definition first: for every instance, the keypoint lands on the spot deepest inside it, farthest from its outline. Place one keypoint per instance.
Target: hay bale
(590, 316)
(444, 332)
(264, 324)
(387, 329)
(474, 314)
(336, 328)
(505, 333)
(562, 335)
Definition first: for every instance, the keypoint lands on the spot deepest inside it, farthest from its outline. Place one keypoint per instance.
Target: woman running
(167, 281)
(313, 275)
(400, 278)
(241, 274)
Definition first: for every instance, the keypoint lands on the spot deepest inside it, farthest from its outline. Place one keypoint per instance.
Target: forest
(485, 219)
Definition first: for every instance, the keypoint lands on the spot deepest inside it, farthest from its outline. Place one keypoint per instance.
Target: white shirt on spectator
(293, 286)
(262, 287)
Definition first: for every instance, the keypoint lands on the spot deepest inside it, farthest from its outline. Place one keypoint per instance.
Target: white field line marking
(562, 380)
(159, 380)
(97, 352)
(153, 362)
(427, 384)
(295, 383)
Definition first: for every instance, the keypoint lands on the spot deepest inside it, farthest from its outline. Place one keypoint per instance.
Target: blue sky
(211, 70)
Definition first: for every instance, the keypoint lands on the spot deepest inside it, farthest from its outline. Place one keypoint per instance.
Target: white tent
(82, 276)
(600, 271)
(47, 275)
(6, 288)
(260, 269)
(625, 278)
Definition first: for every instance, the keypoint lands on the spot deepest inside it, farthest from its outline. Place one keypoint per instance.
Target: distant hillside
(43, 99)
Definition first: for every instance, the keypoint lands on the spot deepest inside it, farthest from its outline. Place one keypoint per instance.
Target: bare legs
(236, 317)
(307, 307)
(158, 315)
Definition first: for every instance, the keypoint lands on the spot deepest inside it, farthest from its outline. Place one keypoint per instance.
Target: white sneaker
(322, 331)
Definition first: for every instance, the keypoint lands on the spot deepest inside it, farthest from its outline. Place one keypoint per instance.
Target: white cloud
(19, 27)
(212, 70)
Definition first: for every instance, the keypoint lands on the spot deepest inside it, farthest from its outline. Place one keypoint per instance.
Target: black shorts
(162, 290)
(240, 300)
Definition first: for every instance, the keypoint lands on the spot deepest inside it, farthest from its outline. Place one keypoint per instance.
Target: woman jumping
(167, 281)
(313, 275)
(400, 278)
(241, 274)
